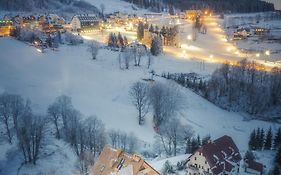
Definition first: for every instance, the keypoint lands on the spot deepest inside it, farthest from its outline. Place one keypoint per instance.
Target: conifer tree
(252, 142)
(277, 139)
(140, 31)
(268, 140)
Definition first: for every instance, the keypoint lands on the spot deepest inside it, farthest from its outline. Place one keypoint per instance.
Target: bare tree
(55, 117)
(93, 48)
(166, 100)
(139, 95)
(128, 55)
(173, 136)
(5, 115)
(11, 108)
(95, 135)
(30, 136)
(102, 8)
(141, 51)
(149, 59)
(122, 140)
(64, 105)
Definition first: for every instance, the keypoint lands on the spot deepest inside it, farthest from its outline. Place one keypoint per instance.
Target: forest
(219, 6)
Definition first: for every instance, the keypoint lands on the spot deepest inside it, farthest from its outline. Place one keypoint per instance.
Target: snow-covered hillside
(117, 5)
(100, 88)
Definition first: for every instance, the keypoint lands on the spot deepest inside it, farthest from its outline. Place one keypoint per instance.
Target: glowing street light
(258, 55)
(228, 49)
(211, 56)
(189, 37)
(267, 53)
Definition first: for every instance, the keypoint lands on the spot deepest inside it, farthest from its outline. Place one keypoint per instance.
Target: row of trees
(169, 34)
(118, 41)
(216, 5)
(259, 140)
(165, 101)
(85, 135)
(22, 125)
(243, 87)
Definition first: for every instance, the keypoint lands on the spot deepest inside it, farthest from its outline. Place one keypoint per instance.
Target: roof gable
(221, 154)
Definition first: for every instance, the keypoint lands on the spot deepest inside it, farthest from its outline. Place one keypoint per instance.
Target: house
(260, 31)
(6, 27)
(245, 32)
(253, 167)
(117, 162)
(83, 23)
(218, 157)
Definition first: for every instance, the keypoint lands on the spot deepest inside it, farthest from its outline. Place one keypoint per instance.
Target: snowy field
(100, 88)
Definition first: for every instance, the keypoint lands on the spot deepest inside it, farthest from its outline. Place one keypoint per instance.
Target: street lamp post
(189, 38)
(267, 53)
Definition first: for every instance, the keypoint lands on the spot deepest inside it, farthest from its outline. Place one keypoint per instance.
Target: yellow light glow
(189, 37)
(267, 52)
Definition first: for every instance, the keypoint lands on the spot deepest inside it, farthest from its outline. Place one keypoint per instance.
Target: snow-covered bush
(168, 168)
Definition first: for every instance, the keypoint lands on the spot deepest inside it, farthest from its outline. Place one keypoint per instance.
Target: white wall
(200, 161)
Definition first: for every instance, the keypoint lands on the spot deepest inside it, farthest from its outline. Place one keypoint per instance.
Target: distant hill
(240, 6)
(71, 6)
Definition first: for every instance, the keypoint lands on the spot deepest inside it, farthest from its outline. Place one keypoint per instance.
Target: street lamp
(258, 55)
(267, 53)
(189, 37)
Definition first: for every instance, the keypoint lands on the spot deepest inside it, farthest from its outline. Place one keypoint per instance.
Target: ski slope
(100, 88)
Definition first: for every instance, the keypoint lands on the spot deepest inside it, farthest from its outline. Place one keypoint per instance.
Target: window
(206, 162)
(194, 158)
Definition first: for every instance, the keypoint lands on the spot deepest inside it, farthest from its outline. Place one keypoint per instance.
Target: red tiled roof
(220, 153)
(254, 165)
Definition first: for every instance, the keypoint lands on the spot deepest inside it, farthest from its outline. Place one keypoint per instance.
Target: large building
(117, 162)
(83, 23)
(218, 157)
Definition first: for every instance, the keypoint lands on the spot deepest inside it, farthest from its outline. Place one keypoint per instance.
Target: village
(203, 38)
(178, 33)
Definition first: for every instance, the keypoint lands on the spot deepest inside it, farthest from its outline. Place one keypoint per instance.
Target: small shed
(253, 167)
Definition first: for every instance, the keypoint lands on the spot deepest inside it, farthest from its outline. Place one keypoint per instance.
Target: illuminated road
(211, 47)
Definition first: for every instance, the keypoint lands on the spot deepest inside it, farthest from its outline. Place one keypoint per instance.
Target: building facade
(218, 157)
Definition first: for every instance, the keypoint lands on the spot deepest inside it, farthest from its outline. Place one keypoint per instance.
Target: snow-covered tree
(166, 101)
(268, 140)
(139, 94)
(93, 48)
(156, 46)
(140, 31)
